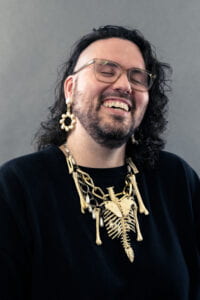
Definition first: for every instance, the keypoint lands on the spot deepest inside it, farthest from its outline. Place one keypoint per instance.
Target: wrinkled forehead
(122, 51)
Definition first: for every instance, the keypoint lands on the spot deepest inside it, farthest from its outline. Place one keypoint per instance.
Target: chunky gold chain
(117, 211)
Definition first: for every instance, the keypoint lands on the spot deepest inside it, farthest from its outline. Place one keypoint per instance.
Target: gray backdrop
(35, 36)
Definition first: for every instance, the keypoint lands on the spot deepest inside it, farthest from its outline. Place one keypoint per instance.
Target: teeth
(116, 104)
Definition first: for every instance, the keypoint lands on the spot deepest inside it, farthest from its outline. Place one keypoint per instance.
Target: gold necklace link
(116, 211)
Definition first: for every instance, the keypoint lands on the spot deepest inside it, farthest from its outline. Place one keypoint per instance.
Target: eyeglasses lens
(139, 77)
(108, 72)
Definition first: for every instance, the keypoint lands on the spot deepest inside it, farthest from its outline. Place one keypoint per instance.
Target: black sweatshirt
(48, 249)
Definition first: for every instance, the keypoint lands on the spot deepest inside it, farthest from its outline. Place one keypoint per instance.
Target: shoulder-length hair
(149, 133)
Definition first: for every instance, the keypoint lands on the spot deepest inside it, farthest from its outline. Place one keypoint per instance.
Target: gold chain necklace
(118, 212)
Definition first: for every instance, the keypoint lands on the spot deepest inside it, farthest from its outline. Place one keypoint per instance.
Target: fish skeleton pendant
(120, 217)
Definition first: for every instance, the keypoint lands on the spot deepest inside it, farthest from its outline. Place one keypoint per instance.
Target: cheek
(141, 106)
(90, 89)
(142, 101)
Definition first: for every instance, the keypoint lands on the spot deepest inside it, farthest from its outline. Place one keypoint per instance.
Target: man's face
(109, 126)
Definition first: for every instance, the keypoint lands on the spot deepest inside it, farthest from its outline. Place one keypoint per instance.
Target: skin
(88, 96)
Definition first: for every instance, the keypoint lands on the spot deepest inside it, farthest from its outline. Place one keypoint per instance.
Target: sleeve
(193, 182)
(15, 255)
(194, 185)
(196, 207)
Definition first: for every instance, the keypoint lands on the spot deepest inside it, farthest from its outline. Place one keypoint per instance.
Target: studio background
(35, 39)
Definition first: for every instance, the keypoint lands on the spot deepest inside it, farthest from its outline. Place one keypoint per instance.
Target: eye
(107, 69)
(139, 77)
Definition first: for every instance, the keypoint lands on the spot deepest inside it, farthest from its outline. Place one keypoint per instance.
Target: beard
(106, 135)
(111, 134)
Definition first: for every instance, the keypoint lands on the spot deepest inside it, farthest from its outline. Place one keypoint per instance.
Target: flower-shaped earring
(68, 120)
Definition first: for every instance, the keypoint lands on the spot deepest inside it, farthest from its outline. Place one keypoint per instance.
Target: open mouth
(117, 105)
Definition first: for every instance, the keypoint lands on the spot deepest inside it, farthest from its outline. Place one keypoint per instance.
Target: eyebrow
(111, 63)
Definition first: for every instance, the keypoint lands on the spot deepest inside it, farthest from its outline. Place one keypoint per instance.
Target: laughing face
(109, 112)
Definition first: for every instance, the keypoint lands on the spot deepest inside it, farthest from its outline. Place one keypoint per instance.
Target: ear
(68, 86)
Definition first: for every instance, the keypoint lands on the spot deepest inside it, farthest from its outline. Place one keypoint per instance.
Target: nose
(123, 84)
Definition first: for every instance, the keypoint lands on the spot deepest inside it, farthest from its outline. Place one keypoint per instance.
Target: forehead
(119, 50)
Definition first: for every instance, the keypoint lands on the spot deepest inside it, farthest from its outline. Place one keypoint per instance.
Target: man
(101, 212)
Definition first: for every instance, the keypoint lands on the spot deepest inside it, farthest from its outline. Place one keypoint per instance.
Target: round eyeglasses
(109, 71)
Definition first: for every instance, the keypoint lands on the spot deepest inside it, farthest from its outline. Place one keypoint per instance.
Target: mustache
(119, 94)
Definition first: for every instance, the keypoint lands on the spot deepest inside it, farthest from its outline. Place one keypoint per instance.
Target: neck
(88, 153)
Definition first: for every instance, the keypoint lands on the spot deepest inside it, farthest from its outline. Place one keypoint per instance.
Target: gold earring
(133, 140)
(68, 119)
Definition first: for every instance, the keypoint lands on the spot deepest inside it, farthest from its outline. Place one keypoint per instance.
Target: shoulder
(170, 160)
(176, 168)
(31, 164)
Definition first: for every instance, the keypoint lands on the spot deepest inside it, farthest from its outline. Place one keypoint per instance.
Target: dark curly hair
(149, 133)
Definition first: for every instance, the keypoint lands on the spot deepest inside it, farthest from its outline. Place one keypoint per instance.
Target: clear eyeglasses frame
(108, 71)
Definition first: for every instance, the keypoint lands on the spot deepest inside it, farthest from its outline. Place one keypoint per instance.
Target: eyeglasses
(109, 71)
